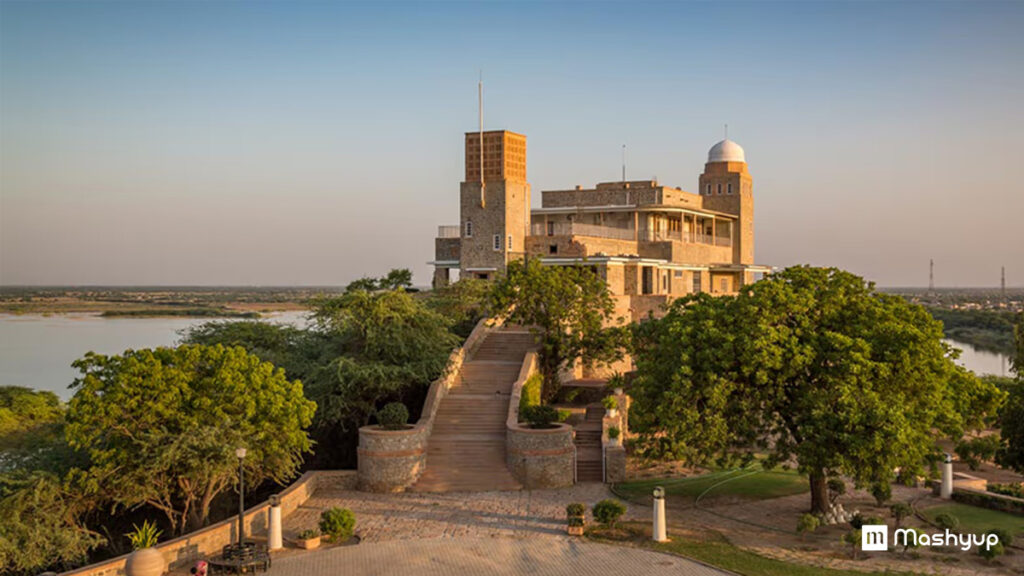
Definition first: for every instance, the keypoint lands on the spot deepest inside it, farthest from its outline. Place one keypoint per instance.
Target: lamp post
(658, 532)
(240, 453)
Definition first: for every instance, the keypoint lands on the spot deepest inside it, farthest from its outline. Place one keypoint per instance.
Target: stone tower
(494, 205)
(726, 186)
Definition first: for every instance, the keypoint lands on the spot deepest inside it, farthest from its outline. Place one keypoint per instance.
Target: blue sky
(313, 143)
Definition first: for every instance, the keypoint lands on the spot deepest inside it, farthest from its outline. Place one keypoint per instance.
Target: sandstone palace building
(651, 243)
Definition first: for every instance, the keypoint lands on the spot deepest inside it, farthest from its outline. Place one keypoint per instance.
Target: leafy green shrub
(1015, 490)
(338, 523)
(608, 512)
(882, 493)
(613, 432)
(836, 488)
(393, 416)
(853, 539)
(807, 523)
(992, 553)
(978, 450)
(144, 536)
(910, 542)
(900, 511)
(1005, 537)
(530, 395)
(610, 403)
(308, 534)
(990, 501)
(539, 416)
(947, 521)
(564, 414)
(576, 509)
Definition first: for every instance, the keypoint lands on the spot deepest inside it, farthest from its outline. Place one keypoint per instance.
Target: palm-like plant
(144, 536)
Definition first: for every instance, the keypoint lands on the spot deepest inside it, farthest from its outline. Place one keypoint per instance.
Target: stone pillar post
(946, 491)
(275, 540)
(658, 534)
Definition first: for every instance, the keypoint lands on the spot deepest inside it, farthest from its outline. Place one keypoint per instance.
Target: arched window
(707, 190)
(719, 189)
(728, 188)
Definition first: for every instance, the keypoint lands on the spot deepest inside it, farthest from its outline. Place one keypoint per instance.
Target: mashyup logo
(875, 537)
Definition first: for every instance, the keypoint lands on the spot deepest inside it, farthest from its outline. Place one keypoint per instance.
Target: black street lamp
(240, 453)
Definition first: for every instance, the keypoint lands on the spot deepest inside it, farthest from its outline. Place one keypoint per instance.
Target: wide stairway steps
(466, 450)
(589, 459)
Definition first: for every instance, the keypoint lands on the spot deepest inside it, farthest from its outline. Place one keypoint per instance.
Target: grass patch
(978, 520)
(717, 551)
(746, 484)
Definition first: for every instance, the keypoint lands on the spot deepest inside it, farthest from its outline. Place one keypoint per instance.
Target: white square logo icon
(874, 537)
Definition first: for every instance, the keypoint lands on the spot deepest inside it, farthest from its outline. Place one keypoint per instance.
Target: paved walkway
(406, 516)
(538, 556)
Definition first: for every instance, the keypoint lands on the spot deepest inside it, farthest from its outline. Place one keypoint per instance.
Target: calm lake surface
(37, 351)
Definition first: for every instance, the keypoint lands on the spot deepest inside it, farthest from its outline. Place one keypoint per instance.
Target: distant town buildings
(651, 243)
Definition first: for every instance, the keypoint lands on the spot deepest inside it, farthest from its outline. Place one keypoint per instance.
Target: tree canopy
(397, 278)
(161, 426)
(568, 307)
(810, 365)
(389, 343)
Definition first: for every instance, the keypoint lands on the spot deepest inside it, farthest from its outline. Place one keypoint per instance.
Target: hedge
(990, 501)
(531, 392)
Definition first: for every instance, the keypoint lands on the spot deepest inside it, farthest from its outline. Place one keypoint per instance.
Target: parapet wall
(537, 458)
(393, 460)
(180, 552)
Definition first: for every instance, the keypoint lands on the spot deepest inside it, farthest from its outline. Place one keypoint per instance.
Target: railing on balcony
(447, 231)
(645, 235)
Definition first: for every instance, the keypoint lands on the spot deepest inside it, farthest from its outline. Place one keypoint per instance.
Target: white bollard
(946, 490)
(274, 537)
(658, 534)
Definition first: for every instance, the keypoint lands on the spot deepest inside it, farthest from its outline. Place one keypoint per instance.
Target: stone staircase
(589, 458)
(466, 450)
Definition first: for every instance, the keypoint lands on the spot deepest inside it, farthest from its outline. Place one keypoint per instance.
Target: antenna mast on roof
(480, 104)
(931, 276)
(623, 165)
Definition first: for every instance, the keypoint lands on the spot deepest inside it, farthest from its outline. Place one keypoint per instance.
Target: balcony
(598, 231)
(448, 232)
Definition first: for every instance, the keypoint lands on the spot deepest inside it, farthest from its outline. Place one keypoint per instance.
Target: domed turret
(726, 151)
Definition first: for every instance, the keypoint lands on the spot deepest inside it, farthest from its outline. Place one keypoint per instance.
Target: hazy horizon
(307, 144)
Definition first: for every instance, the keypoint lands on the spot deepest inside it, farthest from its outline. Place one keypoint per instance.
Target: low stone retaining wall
(990, 500)
(209, 541)
(537, 458)
(393, 460)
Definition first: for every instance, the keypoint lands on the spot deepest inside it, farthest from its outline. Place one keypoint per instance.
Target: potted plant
(575, 519)
(146, 560)
(611, 406)
(393, 416)
(308, 539)
(613, 435)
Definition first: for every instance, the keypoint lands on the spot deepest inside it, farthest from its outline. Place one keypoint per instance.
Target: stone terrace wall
(537, 458)
(209, 541)
(392, 460)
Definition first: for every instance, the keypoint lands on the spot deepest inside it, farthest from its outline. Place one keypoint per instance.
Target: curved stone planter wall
(392, 460)
(537, 458)
(543, 458)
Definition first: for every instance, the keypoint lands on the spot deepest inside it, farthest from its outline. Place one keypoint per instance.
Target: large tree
(1011, 417)
(161, 426)
(389, 347)
(569, 308)
(811, 366)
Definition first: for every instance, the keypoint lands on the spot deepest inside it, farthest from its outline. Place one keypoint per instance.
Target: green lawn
(717, 551)
(750, 484)
(978, 520)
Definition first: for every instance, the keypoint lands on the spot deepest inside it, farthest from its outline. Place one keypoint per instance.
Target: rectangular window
(551, 228)
(728, 188)
(647, 280)
(696, 282)
(553, 249)
(508, 242)
(469, 228)
(679, 273)
(719, 189)
(497, 242)
(707, 190)
(723, 285)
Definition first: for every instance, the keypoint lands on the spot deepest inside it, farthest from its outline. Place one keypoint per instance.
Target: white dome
(726, 151)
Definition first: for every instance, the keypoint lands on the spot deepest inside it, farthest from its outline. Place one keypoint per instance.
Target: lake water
(981, 361)
(37, 351)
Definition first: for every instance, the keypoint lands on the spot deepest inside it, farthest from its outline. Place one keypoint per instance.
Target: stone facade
(651, 242)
